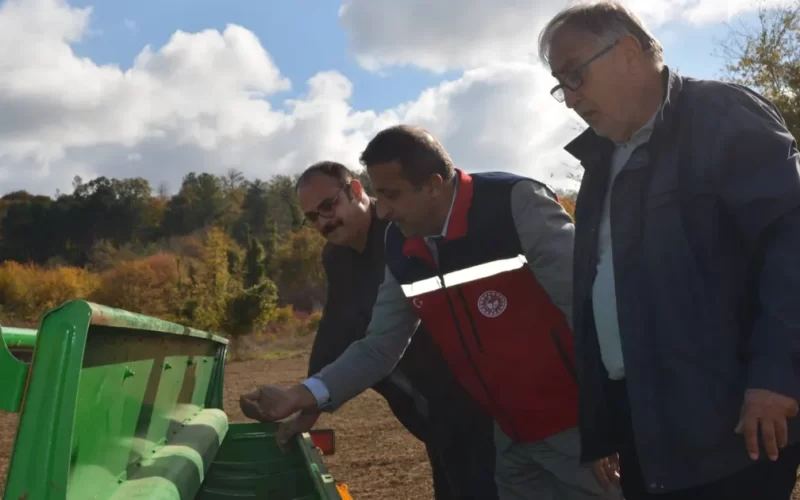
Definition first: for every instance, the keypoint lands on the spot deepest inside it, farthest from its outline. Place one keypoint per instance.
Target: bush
(252, 308)
(27, 291)
(284, 316)
(146, 286)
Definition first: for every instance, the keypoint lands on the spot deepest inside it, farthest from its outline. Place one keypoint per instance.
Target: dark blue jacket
(706, 249)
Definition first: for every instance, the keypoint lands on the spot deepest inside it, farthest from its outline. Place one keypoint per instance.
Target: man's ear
(435, 184)
(356, 189)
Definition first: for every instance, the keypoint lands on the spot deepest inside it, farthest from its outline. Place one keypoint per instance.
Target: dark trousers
(461, 446)
(764, 480)
(458, 438)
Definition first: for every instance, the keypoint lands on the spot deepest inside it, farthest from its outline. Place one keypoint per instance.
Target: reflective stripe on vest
(462, 276)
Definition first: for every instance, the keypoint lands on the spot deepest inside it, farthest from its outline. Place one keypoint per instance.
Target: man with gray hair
(686, 285)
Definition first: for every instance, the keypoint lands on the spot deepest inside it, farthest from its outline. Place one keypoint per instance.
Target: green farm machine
(119, 406)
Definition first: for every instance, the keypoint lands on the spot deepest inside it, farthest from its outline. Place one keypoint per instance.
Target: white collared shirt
(431, 240)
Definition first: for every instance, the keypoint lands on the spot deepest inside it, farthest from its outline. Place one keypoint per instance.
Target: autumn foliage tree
(209, 283)
(766, 57)
(299, 273)
(149, 286)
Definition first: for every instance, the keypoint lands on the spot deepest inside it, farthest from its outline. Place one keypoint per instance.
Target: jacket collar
(456, 226)
(590, 149)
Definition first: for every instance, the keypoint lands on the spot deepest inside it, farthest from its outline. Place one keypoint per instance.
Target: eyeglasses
(573, 79)
(326, 207)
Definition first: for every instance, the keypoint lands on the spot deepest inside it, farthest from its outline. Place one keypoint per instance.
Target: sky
(160, 89)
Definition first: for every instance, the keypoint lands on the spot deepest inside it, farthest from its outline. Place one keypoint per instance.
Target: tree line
(214, 255)
(224, 253)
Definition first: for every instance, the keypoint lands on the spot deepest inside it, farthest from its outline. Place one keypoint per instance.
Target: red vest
(504, 339)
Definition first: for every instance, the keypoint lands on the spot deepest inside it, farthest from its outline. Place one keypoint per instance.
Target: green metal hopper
(119, 406)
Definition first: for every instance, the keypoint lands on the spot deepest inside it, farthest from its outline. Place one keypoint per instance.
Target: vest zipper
(469, 317)
(560, 348)
(466, 348)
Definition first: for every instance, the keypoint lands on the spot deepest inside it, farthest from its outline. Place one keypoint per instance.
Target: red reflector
(324, 439)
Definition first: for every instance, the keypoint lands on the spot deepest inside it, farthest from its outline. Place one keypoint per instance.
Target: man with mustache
(420, 391)
(484, 261)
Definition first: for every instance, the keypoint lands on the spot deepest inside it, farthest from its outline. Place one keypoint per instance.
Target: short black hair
(329, 168)
(419, 154)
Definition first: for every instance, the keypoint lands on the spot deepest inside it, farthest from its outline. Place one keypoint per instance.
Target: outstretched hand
(270, 403)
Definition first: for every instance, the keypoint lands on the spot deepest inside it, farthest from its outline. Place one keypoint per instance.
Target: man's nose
(571, 98)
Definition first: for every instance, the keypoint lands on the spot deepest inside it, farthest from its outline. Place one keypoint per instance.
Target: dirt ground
(375, 456)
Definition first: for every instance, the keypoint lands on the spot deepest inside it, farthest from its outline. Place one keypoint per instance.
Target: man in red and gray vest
(485, 262)
(421, 391)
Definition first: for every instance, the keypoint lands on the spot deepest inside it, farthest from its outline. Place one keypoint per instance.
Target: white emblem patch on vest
(492, 304)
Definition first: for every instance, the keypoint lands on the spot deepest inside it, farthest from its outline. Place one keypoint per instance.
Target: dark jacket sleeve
(340, 325)
(759, 175)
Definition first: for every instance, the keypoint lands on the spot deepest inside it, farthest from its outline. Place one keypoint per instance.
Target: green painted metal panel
(216, 391)
(108, 316)
(13, 371)
(109, 403)
(108, 390)
(41, 457)
(203, 367)
(18, 337)
(173, 372)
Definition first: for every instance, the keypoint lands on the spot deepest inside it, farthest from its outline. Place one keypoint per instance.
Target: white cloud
(456, 34)
(202, 103)
(443, 34)
(198, 102)
(499, 117)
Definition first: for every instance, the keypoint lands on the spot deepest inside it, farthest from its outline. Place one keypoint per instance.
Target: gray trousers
(549, 469)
